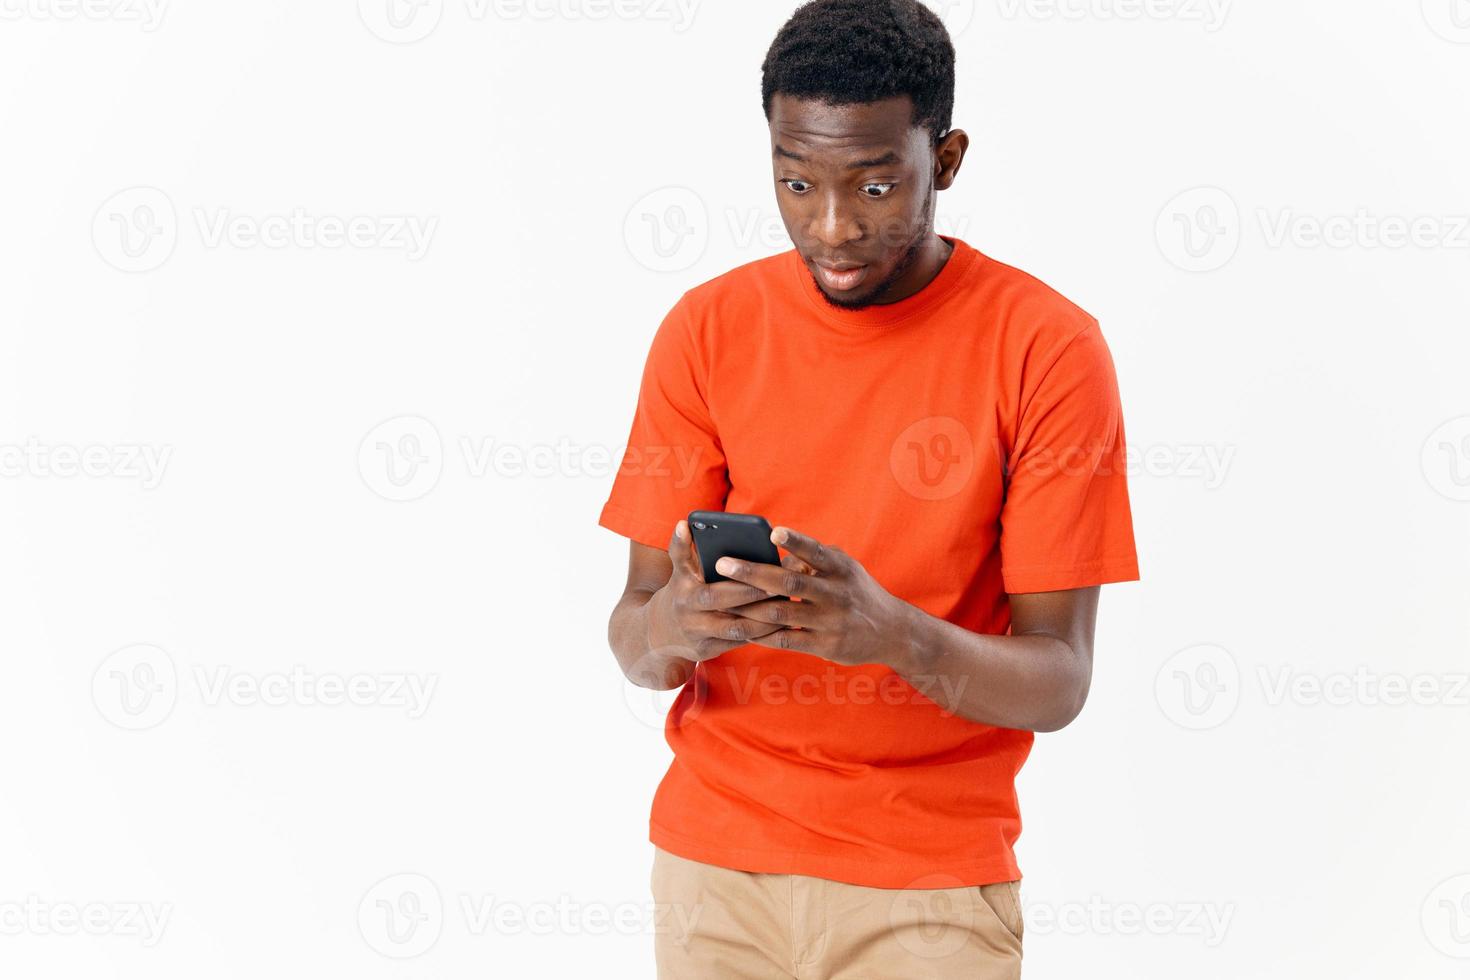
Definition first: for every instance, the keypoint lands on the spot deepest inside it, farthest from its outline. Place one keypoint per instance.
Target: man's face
(856, 186)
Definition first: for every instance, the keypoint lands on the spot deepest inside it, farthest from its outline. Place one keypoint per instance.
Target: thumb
(681, 551)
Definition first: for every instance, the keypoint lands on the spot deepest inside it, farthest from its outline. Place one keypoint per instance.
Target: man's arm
(1036, 678)
(627, 629)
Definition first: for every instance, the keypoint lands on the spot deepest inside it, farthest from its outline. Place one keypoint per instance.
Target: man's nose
(835, 226)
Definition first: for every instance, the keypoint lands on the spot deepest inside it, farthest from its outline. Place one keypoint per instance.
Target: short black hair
(847, 52)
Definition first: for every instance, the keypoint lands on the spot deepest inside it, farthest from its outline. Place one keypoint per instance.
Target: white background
(378, 459)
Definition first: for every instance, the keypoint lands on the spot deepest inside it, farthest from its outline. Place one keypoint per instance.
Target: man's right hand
(700, 620)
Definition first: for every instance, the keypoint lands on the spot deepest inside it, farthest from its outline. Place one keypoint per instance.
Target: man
(939, 441)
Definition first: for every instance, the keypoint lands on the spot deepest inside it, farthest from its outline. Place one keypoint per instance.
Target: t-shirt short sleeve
(673, 463)
(1066, 521)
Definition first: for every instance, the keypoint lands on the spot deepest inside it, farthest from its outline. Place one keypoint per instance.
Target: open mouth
(841, 280)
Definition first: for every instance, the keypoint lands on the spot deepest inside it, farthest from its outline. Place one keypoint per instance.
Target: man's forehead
(873, 125)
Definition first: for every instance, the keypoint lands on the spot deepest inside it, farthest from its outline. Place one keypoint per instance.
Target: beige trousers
(714, 923)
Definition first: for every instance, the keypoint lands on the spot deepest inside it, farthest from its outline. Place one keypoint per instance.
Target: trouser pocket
(1003, 898)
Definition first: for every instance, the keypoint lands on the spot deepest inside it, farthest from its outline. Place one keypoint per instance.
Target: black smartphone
(718, 534)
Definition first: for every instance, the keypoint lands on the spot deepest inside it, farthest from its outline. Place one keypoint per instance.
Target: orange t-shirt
(962, 444)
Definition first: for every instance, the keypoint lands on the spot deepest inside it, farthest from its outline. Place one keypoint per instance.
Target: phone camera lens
(699, 525)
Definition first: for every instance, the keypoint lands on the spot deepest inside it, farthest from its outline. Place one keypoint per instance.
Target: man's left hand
(843, 615)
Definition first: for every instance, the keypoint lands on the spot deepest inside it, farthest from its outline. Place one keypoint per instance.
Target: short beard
(863, 302)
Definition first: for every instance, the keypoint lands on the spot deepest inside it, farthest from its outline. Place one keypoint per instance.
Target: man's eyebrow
(882, 161)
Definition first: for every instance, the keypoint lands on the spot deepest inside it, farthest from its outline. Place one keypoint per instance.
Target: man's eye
(797, 186)
(877, 190)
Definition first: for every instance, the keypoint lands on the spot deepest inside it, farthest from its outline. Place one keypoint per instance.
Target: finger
(797, 564)
(709, 648)
(810, 549)
(728, 627)
(805, 641)
(782, 612)
(726, 595)
(712, 648)
(681, 551)
(773, 578)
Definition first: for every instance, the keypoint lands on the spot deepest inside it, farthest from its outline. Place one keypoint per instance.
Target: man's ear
(948, 155)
